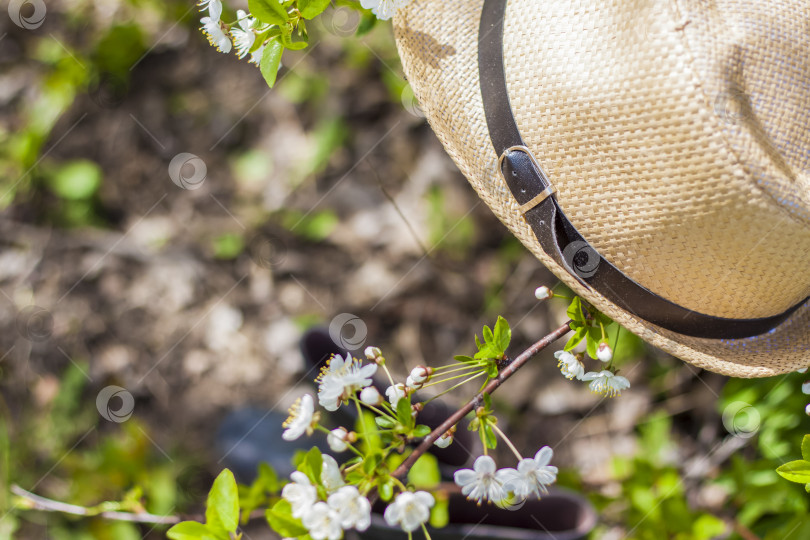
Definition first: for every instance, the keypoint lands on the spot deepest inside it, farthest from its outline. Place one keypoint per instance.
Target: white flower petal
(543, 456)
(484, 465)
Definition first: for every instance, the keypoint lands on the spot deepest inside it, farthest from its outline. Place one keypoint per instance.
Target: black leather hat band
(560, 240)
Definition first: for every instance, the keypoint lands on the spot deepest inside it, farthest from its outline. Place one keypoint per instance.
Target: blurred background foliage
(674, 470)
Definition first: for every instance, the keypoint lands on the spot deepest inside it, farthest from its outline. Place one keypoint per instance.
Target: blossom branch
(493, 385)
(38, 502)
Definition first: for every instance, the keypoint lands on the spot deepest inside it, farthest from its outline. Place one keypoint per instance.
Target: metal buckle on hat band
(549, 189)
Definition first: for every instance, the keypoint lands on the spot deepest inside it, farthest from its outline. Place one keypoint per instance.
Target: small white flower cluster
(485, 482)
(243, 37)
(416, 379)
(383, 9)
(345, 508)
(604, 382)
(341, 378)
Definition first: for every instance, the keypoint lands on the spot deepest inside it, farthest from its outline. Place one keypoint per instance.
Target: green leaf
(267, 478)
(385, 487)
(384, 422)
(76, 180)
(485, 352)
(404, 415)
(579, 335)
(312, 8)
(594, 336)
(421, 431)
(474, 423)
(478, 343)
(492, 370)
(286, 40)
(489, 437)
(574, 310)
(707, 527)
(440, 513)
(488, 337)
(370, 463)
(268, 11)
(187, 530)
(271, 60)
(366, 24)
(503, 334)
(487, 401)
(795, 471)
(228, 246)
(462, 358)
(281, 520)
(425, 472)
(806, 447)
(314, 464)
(222, 509)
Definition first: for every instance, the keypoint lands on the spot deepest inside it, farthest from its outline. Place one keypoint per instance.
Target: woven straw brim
(675, 199)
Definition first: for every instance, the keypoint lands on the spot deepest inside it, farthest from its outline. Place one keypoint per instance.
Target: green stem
(453, 387)
(506, 440)
(458, 366)
(390, 378)
(454, 377)
(427, 534)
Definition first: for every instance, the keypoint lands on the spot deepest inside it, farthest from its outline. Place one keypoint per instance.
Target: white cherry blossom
(541, 293)
(606, 382)
(214, 8)
(395, 393)
(215, 35)
(243, 37)
(383, 9)
(532, 476)
(482, 482)
(443, 441)
(409, 510)
(569, 365)
(370, 396)
(323, 523)
(337, 439)
(330, 474)
(354, 510)
(300, 420)
(300, 493)
(604, 352)
(341, 378)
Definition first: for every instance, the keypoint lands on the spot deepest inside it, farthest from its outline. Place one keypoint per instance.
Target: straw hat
(653, 154)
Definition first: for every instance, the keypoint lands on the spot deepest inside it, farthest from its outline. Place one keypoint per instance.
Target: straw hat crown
(675, 133)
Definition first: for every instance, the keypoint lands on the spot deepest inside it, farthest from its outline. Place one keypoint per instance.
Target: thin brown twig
(456, 417)
(38, 502)
(49, 505)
